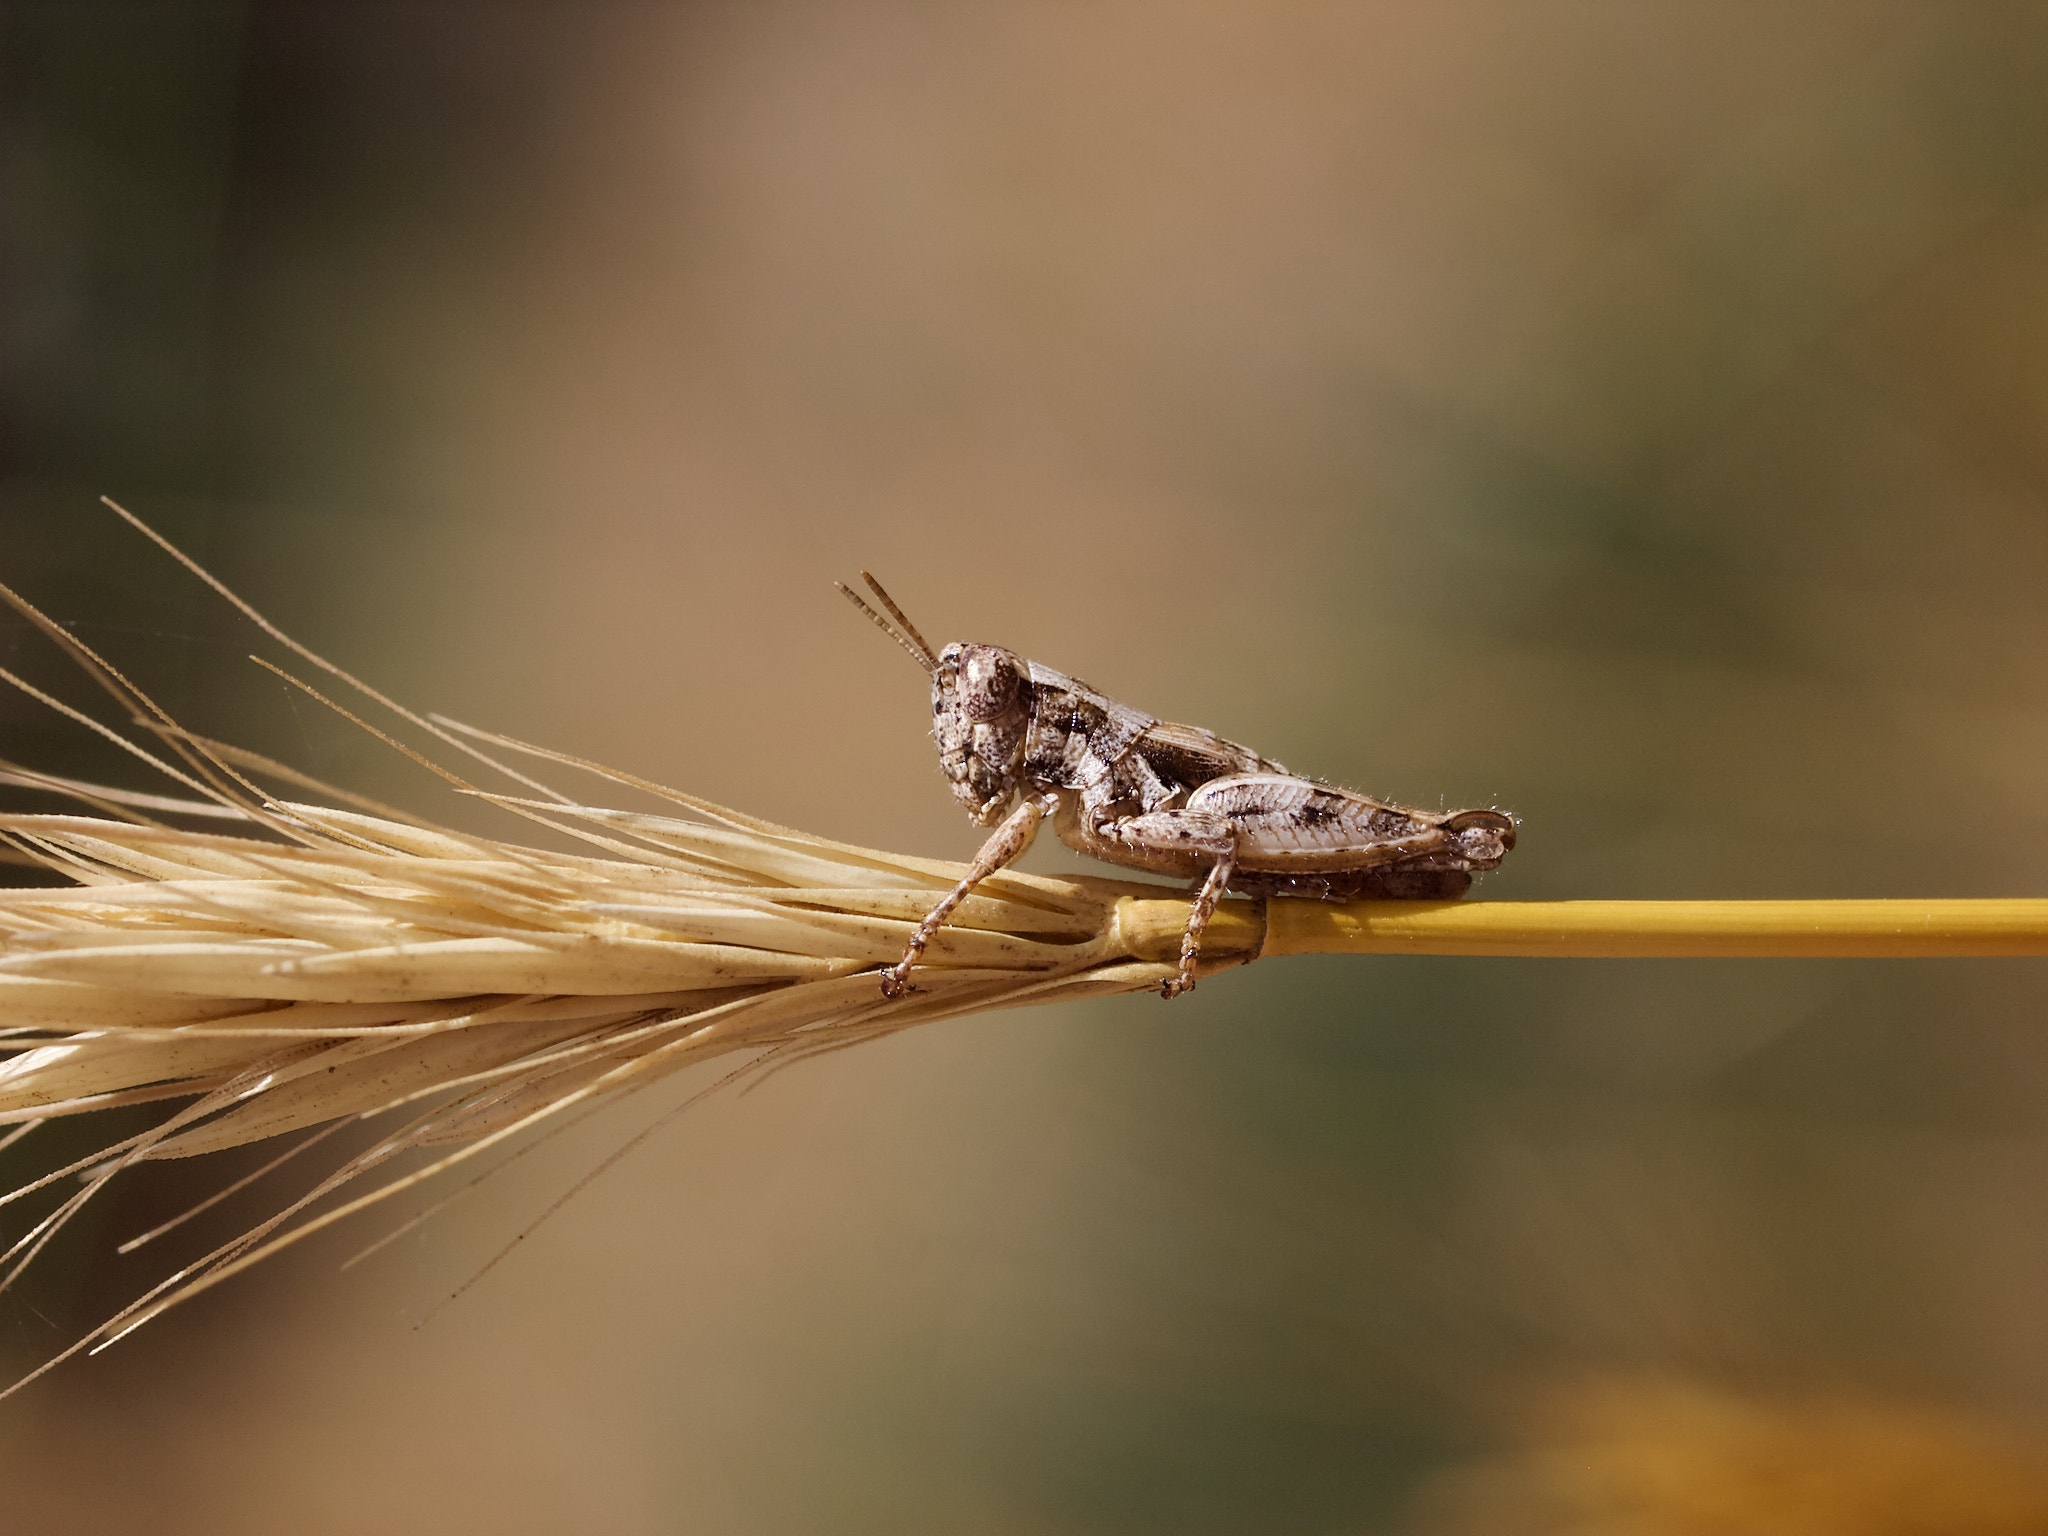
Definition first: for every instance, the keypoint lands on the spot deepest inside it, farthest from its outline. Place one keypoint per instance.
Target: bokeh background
(1633, 416)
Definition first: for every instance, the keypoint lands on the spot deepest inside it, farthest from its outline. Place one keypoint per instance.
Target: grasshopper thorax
(981, 710)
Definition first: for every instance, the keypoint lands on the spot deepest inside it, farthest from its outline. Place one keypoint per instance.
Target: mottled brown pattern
(1019, 742)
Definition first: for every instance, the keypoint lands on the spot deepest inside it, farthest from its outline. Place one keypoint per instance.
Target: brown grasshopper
(1129, 789)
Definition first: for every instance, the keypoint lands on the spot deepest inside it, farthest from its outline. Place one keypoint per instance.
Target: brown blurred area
(1633, 416)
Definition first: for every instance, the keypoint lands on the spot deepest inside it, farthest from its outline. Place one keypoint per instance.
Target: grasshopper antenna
(930, 656)
(907, 636)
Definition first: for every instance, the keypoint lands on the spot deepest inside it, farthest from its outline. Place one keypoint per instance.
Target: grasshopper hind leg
(1393, 883)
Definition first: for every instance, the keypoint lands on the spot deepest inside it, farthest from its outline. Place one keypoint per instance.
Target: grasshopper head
(980, 708)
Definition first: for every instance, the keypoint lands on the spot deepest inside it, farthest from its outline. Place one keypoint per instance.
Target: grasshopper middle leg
(1195, 832)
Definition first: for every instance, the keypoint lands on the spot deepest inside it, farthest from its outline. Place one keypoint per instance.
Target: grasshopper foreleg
(1004, 846)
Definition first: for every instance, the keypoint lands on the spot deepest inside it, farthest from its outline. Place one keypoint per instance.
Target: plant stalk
(1243, 930)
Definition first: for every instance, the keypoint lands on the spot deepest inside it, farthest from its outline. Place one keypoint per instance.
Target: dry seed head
(470, 990)
(286, 968)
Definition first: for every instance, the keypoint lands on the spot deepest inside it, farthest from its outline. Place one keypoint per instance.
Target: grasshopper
(1019, 742)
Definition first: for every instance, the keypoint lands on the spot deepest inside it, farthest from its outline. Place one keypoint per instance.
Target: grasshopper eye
(990, 682)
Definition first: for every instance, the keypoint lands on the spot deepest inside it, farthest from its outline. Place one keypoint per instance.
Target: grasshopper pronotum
(1019, 742)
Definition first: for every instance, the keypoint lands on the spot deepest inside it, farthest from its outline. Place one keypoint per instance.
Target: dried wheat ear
(271, 967)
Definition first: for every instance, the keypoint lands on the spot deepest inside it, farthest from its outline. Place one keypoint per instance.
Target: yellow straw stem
(1600, 929)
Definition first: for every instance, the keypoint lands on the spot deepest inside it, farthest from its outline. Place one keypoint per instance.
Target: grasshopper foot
(896, 981)
(1173, 986)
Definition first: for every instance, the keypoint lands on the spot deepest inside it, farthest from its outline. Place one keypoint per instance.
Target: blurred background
(1632, 416)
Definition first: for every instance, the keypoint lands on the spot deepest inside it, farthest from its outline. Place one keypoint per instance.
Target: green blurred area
(1629, 416)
